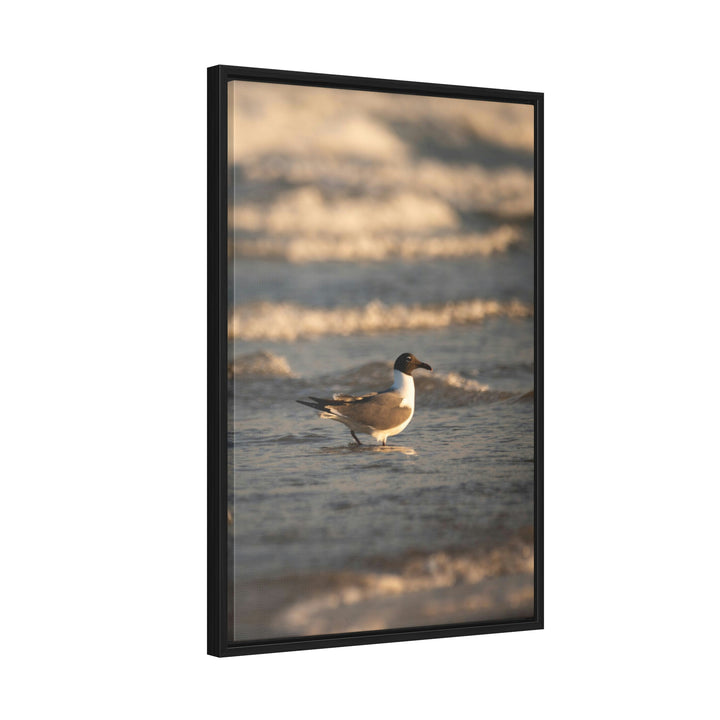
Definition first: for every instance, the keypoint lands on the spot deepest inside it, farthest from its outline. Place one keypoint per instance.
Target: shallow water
(342, 259)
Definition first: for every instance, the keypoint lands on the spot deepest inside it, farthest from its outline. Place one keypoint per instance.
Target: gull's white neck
(405, 386)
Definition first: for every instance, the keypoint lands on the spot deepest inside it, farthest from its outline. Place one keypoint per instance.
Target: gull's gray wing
(338, 400)
(381, 411)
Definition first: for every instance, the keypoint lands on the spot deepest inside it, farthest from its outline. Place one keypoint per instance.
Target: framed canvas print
(374, 360)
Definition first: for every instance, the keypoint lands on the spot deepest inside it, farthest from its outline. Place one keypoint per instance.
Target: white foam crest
(508, 124)
(305, 122)
(436, 389)
(438, 571)
(308, 212)
(288, 321)
(273, 118)
(456, 380)
(260, 364)
(505, 124)
(378, 247)
(453, 390)
(504, 192)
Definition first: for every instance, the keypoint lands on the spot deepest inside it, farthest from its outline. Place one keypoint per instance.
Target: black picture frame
(218, 641)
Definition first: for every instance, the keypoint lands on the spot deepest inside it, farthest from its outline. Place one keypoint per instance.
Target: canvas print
(381, 392)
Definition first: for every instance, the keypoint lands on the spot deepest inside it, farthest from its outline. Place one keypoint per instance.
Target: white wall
(102, 287)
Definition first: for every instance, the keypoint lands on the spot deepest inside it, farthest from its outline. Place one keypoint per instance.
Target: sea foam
(503, 192)
(436, 389)
(259, 364)
(376, 248)
(480, 583)
(289, 321)
(305, 211)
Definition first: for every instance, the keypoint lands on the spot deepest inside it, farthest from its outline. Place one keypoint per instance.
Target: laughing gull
(380, 414)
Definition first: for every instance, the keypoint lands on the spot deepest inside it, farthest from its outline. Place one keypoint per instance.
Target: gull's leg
(352, 432)
(384, 442)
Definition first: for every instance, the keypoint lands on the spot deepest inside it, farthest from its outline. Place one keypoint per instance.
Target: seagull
(379, 414)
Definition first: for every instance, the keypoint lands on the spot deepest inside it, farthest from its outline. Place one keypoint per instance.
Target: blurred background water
(365, 225)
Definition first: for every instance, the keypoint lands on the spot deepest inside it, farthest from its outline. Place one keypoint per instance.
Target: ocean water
(363, 226)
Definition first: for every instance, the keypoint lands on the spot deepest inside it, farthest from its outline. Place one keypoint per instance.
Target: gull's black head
(407, 362)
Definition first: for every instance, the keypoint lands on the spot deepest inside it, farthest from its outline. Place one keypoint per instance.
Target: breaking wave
(377, 247)
(438, 389)
(309, 121)
(289, 321)
(435, 390)
(305, 121)
(504, 192)
(305, 211)
(452, 389)
(259, 364)
(456, 586)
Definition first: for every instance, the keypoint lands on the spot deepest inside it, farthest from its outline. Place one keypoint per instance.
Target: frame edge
(217, 371)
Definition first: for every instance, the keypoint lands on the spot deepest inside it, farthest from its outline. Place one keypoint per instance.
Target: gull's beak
(426, 366)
